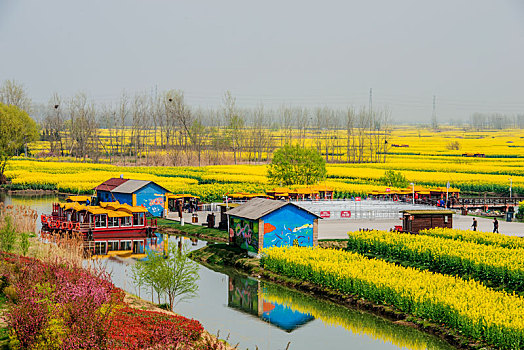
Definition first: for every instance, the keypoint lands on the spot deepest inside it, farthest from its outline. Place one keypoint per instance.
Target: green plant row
(499, 266)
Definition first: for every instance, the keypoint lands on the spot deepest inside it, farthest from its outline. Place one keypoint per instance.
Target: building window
(112, 222)
(101, 220)
(138, 219)
(112, 245)
(125, 245)
(100, 248)
(126, 221)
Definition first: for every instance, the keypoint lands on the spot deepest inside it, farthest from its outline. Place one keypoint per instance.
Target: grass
(211, 234)
(4, 330)
(222, 254)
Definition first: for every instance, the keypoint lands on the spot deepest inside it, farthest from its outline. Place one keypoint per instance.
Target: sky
(469, 54)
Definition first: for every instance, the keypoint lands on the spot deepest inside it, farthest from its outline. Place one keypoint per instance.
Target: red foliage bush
(68, 307)
(140, 329)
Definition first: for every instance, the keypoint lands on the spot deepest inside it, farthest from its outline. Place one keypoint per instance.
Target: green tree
(16, 129)
(394, 178)
(174, 275)
(295, 165)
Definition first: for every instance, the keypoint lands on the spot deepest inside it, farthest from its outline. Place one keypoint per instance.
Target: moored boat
(108, 226)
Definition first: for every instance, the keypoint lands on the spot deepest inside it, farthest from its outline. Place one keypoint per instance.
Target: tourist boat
(108, 226)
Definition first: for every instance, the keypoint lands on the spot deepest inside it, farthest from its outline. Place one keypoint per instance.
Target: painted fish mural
(296, 229)
(288, 237)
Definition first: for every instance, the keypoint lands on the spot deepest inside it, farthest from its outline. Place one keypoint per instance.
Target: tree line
(162, 129)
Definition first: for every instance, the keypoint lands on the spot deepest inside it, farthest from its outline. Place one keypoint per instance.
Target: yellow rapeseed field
(422, 156)
(466, 305)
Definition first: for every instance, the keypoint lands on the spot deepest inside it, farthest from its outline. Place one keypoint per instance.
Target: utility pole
(370, 101)
(434, 115)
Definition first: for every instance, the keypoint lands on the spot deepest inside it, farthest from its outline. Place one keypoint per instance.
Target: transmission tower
(370, 101)
(434, 123)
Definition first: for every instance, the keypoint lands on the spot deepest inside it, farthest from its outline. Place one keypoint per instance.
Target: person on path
(495, 225)
(474, 224)
(180, 208)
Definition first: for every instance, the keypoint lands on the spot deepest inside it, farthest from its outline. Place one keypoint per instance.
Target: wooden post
(315, 232)
(260, 235)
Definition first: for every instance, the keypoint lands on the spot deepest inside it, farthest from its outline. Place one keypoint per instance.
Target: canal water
(258, 314)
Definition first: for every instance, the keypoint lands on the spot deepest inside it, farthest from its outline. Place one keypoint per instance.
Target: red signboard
(345, 214)
(325, 214)
(388, 189)
(358, 199)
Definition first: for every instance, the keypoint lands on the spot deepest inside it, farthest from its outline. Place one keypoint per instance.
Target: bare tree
(53, 125)
(198, 132)
(13, 93)
(122, 114)
(83, 128)
(108, 121)
(234, 123)
(139, 124)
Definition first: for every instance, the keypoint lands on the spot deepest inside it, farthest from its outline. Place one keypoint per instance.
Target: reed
(23, 218)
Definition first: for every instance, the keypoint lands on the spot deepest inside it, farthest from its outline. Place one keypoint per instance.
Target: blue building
(262, 223)
(135, 193)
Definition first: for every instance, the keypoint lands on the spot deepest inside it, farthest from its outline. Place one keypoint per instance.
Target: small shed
(135, 193)
(262, 223)
(415, 220)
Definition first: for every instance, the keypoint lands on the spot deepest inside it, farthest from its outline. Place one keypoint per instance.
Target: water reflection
(246, 294)
(355, 321)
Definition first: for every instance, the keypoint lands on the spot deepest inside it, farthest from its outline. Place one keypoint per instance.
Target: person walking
(474, 224)
(495, 225)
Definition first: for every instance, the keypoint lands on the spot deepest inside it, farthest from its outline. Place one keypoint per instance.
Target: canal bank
(259, 314)
(217, 256)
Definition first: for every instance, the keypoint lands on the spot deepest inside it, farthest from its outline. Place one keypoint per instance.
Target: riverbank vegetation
(51, 299)
(465, 305)
(218, 256)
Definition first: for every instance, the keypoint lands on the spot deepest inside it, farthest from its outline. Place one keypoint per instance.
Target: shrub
(454, 145)
(394, 179)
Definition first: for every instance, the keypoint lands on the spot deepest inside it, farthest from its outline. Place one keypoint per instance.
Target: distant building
(262, 223)
(135, 193)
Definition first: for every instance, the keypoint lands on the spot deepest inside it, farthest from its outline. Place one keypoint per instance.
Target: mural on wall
(152, 200)
(288, 226)
(244, 233)
(247, 294)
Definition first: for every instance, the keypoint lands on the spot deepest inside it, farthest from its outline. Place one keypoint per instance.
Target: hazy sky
(469, 53)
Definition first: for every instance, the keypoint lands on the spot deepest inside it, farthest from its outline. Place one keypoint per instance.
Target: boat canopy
(78, 198)
(96, 210)
(118, 214)
(72, 206)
